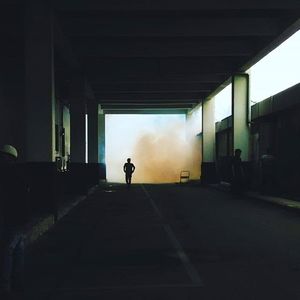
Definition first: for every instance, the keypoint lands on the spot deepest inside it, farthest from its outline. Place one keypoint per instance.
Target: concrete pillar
(101, 145)
(78, 130)
(93, 135)
(101, 128)
(240, 114)
(39, 83)
(77, 119)
(208, 131)
(208, 166)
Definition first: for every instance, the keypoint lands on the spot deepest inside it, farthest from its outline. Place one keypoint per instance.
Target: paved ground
(168, 242)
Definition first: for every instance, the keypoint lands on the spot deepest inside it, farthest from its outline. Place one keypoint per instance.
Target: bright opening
(223, 103)
(194, 141)
(277, 71)
(156, 145)
(194, 121)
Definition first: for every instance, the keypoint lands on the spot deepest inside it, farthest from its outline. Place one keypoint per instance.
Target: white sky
(223, 104)
(277, 71)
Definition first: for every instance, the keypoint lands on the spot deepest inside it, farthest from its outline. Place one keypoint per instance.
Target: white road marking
(191, 270)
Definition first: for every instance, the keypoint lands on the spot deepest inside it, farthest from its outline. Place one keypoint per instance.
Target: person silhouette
(128, 168)
(238, 175)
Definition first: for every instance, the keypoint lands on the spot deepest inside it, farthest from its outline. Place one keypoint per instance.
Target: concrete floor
(167, 242)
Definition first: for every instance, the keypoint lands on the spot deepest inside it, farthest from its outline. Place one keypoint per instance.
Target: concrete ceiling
(168, 54)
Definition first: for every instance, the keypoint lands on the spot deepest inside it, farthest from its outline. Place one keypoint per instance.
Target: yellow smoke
(159, 157)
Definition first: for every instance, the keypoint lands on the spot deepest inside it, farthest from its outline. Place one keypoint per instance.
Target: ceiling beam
(152, 87)
(166, 47)
(158, 111)
(170, 26)
(147, 106)
(175, 5)
(208, 77)
(137, 67)
(156, 103)
(196, 96)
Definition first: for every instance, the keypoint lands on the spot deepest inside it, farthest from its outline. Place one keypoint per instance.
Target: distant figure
(238, 176)
(268, 172)
(128, 169)
(13, 220)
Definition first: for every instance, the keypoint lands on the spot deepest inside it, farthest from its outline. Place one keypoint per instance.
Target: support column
(39, 82)
(79, 174)
(93, 135)
(77, 120)
(101, 149)
(208, 169)
(240, 114)
(78, 130)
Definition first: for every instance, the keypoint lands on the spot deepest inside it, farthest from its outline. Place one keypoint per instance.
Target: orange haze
(160, 157)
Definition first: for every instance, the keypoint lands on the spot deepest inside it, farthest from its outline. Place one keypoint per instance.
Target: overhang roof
(147, 55)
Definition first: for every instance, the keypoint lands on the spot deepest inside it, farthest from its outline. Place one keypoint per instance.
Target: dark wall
(12, 110)
(281, 134)
(12, 91)
(275, 126)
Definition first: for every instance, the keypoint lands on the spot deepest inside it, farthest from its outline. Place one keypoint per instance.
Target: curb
(255, 195)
